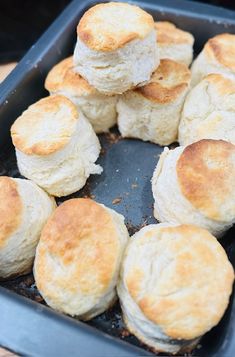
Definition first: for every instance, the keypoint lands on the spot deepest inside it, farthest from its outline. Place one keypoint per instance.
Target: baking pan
(29, 327)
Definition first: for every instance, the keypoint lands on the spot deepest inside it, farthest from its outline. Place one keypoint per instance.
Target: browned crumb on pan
(86, 192)
(112, 138)
(116, 201)
(24, 285)
(38, 298)
(133, 229)
(173, 146)
(124, 333)
(26, 281)
(91, 196)
(134, 185)
(102, 151)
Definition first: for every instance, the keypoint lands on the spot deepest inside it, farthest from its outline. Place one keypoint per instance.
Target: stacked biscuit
(134, 74)
(173, 279)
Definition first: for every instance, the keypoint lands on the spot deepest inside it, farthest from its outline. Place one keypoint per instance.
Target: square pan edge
(31, 329)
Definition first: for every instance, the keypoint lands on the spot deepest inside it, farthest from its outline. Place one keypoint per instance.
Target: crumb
(112, 138)
(28, 281)
(134, 185)
(125, 333)
(86, 191)
(173, 146)
(102, 151)
(116, 200)
(133, 229)
(38, 298)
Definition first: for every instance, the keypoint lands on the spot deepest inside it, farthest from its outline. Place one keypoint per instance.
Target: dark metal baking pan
(27, 326)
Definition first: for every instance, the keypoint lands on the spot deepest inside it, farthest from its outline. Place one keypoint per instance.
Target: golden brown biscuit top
(222, 84)
(184, 279)
(45, 127)
(107, 27)
(82, 238)
(167, 83)
(11, 208)
(222, 49)
(62, 77)
(169, 34)
(206, 176)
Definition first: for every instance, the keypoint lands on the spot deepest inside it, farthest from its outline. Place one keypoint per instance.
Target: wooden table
(4, 71)
(6, 353)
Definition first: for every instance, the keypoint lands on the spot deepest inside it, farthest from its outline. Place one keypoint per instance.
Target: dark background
(23, 21)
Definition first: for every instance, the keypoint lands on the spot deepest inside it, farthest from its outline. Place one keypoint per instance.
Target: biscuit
(152, 112)
(174, 286)
(209, 111)
(217, 56)
(98, 108)
(115, 55)
(56, 146)
(174, 43)
(78, 258)
(25, 209)
(196, 185)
